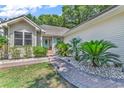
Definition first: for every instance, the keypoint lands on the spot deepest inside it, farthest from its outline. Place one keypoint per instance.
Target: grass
(31, 76)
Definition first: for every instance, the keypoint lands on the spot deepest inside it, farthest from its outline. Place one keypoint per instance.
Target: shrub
(63, 49)
(15, 52)
(97, 52)
(3, 41)
(1, 53)
(39, 51)
(28, 51)
(75, 42)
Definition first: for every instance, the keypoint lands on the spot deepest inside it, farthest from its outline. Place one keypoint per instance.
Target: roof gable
(14, 20)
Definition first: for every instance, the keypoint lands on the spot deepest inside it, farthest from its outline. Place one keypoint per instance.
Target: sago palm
(97, 52)
(63, 49)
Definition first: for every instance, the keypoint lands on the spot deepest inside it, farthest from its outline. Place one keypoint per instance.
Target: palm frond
(97, 52)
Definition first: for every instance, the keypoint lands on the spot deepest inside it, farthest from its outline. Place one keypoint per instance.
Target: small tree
(75, 42)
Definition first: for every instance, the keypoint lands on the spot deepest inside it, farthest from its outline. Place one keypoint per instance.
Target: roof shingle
(54, 30)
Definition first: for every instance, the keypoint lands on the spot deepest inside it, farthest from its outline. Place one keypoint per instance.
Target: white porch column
(41, 40)
(53, 44)
(35, 38)
(1, 31)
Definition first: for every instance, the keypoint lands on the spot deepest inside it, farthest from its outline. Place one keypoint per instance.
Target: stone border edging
(55, 67)
(114, 79)
(82, 79)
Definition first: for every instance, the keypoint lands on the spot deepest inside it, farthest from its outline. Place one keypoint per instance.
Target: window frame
(18, 38)
(23, 38)
(28, 38)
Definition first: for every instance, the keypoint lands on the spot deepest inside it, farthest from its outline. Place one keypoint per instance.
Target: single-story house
(108, 25)
(22, 31)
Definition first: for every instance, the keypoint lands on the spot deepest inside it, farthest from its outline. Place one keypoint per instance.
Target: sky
(10, 11)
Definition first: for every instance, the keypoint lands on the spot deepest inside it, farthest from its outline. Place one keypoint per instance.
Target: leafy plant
(3, 41)
(63, 49)
(28, 51)
(97, 52)
(75, 48)
(39, 51)
(1, 53)
(15, 52)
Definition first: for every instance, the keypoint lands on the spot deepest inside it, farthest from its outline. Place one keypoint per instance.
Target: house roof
(103, 13)
(48, 29)
(54, 30)
(16, 19)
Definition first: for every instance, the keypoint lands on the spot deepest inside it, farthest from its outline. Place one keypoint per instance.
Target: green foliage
(97, 52)
(72, 15)
(75, 42)
(63, 49)
(75, 14)
(33, 18)
(15, 52)
(3, 41)
(47, 19)
(28, 51)
(54, 20)
(39, 51)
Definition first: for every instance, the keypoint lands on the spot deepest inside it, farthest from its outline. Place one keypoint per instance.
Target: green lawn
(37, 75)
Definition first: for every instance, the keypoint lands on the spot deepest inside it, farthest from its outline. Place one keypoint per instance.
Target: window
(18, 40)
(22, 38)
(28, 38)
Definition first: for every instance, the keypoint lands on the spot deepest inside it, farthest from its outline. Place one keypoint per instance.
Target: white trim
(37, 27)
(41, 40)
(1, 32)
(33, 24)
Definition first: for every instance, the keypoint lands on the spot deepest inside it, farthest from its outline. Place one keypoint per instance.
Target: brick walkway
(82, 79)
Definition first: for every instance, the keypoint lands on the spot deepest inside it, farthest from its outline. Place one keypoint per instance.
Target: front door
(47, 42)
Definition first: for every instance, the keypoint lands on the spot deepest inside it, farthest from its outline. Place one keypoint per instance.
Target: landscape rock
(104, 71)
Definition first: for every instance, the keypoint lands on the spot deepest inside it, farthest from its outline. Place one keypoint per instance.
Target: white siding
(1, 32)
(23, 27)
(111, 29)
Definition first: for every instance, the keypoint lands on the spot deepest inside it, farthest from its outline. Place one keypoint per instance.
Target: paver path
(82, 79)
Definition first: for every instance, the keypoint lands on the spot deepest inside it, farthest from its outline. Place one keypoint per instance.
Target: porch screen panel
(28, 38)
(18, 38)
